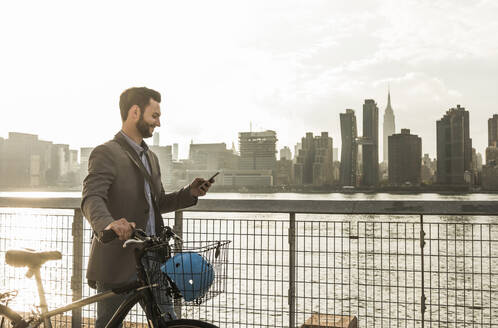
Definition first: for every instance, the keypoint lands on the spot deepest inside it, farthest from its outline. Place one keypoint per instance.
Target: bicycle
(173, 285)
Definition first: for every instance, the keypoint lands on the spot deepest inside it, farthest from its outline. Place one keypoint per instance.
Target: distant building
(493, 131)
(323, 160)
(314, 163)
(303, 168)
(297, 148)
(283, 175)
(233, 149)
(489, 177)
(349, 148)
(212, 157)
(405, 158)
(27, 161)
(489, 174)
(370, 144)
(258, 150)
(479, 161)
(207, 159)
(165, 157)
(175, 152)
(492, 149)
(491, 154)
(155, 139)
(389, 126)
(428, 169)
(60, 163)
(335, 154)
(336, 172)
(383, 171)
(475, 168)
(285, 153)
(454, 147)
(84, 156)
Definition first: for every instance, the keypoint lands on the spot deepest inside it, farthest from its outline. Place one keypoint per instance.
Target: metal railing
(390, 263)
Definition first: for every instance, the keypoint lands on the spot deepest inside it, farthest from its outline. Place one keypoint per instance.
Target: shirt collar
(138, 148)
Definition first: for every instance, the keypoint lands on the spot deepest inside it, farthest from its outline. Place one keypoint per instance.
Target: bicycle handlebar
(138, 236)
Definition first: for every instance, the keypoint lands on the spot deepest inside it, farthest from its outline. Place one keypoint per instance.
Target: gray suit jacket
(113, 189)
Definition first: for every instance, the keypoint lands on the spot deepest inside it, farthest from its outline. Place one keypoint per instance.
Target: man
(123, 191)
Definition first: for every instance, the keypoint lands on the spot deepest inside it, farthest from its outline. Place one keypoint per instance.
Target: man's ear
(134, 112)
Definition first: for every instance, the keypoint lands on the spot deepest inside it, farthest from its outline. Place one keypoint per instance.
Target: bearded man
(123, 191)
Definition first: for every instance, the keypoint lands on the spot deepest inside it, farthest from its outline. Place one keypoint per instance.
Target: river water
(376, 275)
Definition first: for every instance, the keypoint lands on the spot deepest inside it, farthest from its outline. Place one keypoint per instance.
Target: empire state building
(389, 127)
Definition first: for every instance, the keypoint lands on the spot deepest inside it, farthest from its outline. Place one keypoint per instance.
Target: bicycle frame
(140, 290)
(119, 315)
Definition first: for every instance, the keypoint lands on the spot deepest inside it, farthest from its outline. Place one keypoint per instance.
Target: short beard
(143, 127)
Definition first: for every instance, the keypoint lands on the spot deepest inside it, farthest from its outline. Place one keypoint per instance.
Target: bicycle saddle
(29, 257)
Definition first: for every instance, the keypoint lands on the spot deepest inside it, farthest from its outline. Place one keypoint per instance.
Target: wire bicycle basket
(194, 271)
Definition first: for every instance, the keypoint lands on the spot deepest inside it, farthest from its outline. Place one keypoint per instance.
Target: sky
(288, 66)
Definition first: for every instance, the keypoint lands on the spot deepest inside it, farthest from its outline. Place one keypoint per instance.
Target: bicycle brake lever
(132, 241)
(170, 233)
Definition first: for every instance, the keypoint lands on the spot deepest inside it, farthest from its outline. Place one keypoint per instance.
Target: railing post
(422, 245)
(178, 228)
(76, 278)
(292, 270)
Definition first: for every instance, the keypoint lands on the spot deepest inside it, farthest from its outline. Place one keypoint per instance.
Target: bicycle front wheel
(187, 323)
(10, 319)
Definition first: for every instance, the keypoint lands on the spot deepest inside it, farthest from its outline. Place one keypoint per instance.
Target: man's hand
(199, 187)
(122, 228)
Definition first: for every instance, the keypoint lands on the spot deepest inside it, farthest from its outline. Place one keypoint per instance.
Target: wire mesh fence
(403, 271)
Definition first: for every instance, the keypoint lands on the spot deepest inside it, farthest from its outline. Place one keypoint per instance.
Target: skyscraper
(490, 170)
(323, 161)
(349, 150)
(405, 158)
(303, 169)
(493, 131)
(454, 146)
(314, 163)
(389, 126)
(258, 150)
(370, 143)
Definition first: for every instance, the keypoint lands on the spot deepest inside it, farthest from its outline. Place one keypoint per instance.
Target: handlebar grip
(106, 236)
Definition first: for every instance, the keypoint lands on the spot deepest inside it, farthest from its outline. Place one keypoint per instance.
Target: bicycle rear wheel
(10, 319)
(187, 323)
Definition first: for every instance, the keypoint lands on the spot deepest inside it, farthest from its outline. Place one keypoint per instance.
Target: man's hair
(136, 96)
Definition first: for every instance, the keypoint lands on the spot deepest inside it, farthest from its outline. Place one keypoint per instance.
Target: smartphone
(211, 179)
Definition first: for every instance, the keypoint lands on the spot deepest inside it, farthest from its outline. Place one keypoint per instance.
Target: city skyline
(154, 140)
(286, 66)
(25, 160)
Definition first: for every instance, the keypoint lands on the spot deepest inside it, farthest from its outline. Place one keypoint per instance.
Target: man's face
(149, 119)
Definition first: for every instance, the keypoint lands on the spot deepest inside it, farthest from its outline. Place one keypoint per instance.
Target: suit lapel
(134, 156)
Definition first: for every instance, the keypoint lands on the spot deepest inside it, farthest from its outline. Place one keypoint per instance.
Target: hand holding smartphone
(211, 179)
